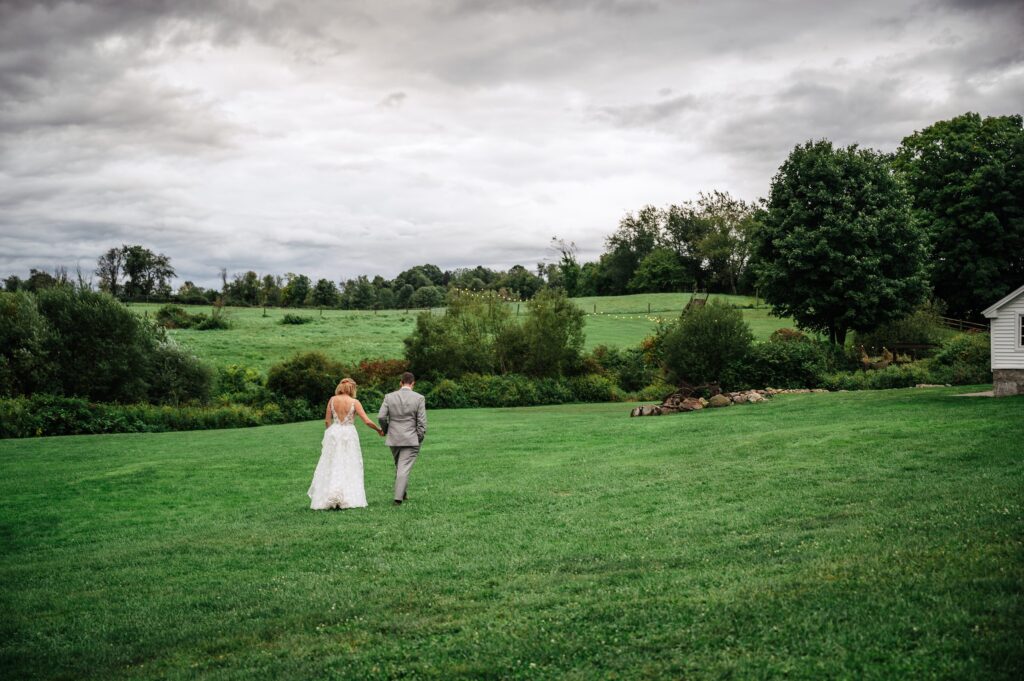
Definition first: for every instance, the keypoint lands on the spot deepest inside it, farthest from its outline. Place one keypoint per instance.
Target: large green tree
(838, 250)
(660, 272)
(966, 178)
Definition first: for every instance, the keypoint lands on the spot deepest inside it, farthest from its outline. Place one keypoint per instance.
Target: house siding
(1007, 352)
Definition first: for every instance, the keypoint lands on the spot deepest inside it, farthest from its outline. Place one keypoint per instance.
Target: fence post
(595, 308)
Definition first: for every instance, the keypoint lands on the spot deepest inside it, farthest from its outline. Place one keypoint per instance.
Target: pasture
(351, 335)
(872, 535)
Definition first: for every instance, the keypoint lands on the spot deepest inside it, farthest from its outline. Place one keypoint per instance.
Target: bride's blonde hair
(346, 387)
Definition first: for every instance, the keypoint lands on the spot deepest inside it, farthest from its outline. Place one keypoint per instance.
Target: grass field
(350, 335)
(872, 535)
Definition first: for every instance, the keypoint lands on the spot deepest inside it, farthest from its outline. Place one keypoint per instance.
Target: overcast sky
(345, 138)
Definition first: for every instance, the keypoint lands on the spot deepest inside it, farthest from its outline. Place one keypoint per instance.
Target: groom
(403, 415)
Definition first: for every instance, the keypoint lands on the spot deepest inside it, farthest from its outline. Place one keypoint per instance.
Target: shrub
(309, 376)
(592, 388)
(921, 327)
(905, 376)
(628, 368)
(459, 342)
(42, 415)
(217, 320)
(428, 296)
(447, 394)
(704, 342)
(655, 391)
(963, 359)
(554, 334)
(240, 384)
(24, 334)
(553, 391)
(100, 349)
(177, 377)
(380, 372)
(788, 335)
(797, 363)
(371, 398)
(290, 318)
(174, 317)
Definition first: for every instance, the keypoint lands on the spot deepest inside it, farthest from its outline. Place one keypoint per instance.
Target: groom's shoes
(398, 502)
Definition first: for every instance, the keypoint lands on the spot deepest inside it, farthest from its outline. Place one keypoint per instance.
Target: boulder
(719, 401)
(691, 404)
(738, 398)
(755, 397)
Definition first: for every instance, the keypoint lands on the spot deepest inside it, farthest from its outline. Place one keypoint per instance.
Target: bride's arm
(327, 413)
(366, 419)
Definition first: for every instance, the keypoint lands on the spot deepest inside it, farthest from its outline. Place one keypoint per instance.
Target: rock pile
(684, 399)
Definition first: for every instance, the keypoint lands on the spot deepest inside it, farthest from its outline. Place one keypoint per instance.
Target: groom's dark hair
(408, 378)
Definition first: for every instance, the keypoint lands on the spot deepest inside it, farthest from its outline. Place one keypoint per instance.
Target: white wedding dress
(338, 479)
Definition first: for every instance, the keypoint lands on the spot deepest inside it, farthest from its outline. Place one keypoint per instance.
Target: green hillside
(350, 335)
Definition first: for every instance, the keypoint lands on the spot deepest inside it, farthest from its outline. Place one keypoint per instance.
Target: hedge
(42, 415)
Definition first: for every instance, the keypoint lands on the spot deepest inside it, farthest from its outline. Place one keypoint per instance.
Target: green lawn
(351, 335)
(847, 535)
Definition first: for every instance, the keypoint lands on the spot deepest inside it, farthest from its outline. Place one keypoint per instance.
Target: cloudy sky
(344, 138)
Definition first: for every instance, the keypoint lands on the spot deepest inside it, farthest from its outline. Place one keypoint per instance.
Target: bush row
(513, 390)
(177, 317)
(41, 415)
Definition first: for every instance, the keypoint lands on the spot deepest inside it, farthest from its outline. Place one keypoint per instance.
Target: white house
(1007, 333)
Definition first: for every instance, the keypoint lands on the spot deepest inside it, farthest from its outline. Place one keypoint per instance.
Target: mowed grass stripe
(873, 535)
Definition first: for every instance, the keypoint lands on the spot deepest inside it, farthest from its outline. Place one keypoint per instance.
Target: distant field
(350, 335)
(868, 535)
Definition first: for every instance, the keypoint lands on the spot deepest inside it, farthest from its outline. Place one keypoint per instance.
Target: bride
(338, 479)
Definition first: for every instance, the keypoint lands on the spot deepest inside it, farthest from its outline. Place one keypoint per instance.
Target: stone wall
(1006, 382)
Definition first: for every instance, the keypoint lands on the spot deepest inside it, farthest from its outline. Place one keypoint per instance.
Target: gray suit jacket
(405, 413)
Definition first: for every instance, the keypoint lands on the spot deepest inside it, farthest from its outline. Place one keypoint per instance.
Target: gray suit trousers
(405, 457)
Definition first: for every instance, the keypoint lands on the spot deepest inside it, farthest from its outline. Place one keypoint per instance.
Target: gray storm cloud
(345, 138)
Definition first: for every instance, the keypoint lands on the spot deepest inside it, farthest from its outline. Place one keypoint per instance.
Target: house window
(1020, 331)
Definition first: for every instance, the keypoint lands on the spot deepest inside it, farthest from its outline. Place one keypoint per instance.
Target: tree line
(847, 239)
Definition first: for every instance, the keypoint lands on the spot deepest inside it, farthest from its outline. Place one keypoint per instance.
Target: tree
(636, 236)
(725, 246)
(966, 179)
(358, 294)
(108, 269)
(146, 273)
(660, 272)
(270, 290)
(520, 281)
(404, 296)
(38, 281)
(554, 334)
(295, 290)
(190, 293)
(460, 341)
(838, 249)
(685, 229)
(428, 296)
(25, 367)
(568, 264)
(325, 293)
(244, 289)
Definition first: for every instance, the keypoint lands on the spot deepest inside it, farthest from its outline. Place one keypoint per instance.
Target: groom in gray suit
(403, 415)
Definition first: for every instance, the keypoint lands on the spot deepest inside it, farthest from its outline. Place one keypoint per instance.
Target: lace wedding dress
(338, 479)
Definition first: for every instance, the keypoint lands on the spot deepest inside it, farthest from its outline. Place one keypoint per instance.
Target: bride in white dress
(338, 479)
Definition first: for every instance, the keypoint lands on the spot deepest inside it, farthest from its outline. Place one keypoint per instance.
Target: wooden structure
(695, 301)
(1006, 321)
